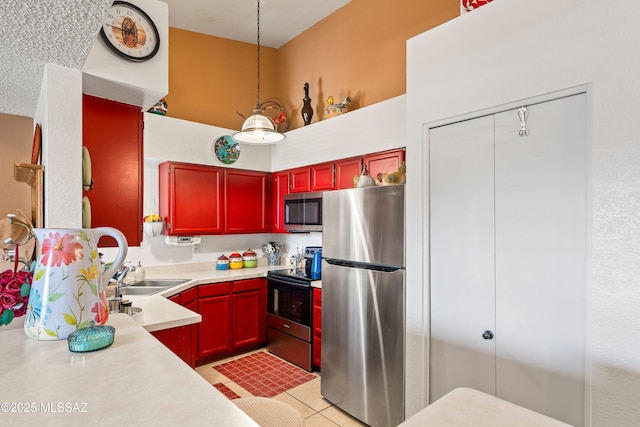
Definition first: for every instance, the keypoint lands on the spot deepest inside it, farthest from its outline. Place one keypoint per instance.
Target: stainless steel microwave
(303, 211)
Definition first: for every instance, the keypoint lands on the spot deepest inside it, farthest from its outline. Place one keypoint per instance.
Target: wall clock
(130, 32)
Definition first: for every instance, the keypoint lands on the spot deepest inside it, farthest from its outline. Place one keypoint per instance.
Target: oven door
(289, 300)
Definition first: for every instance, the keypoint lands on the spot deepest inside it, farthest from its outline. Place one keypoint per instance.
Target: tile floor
(306, 398)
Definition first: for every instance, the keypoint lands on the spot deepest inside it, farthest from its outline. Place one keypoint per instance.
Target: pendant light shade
(258, 128)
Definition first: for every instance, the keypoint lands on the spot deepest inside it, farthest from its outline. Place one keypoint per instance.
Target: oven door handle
(271, 280)
(275, 302)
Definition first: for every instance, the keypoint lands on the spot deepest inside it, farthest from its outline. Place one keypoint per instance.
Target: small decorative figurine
(396, 177)
(364, 180)
(307, 111)
(160, 107)
(336, 109)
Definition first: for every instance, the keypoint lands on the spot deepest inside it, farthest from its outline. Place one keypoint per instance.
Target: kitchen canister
(222, 263)
(235, 261)
(249, 259)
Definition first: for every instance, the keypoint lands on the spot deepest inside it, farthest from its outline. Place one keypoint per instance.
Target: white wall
(106, 75)
(377, 127)
(59, 111)
(505, 53)
(167, 138)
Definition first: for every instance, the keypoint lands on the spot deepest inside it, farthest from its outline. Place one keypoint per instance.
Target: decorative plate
(87, 183)
(86, 212)
(226, 149)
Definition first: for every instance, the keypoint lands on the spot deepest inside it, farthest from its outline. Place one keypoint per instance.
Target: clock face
(129, 32)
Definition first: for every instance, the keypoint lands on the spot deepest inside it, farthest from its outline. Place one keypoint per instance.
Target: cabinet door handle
(487, 335)
(286, 326)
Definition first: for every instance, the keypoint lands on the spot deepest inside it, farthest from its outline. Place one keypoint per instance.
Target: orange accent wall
(359, 51)
(211, 79)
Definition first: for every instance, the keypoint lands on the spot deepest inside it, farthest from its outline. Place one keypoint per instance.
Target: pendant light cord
(258, 99)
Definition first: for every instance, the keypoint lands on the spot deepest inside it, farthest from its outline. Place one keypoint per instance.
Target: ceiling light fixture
(258, 128)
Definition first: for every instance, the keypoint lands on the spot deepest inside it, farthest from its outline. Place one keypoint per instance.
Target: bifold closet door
(508, 257)
(540, 207)
(462, 256)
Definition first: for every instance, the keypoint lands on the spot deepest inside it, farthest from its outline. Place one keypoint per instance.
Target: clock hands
(129, 32)
(117, 28)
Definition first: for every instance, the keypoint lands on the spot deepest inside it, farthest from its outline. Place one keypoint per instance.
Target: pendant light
(259, 128)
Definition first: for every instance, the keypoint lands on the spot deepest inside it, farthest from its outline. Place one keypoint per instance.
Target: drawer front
(214, 289)
(247, 285)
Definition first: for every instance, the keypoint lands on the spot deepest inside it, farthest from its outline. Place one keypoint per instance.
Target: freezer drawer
(289, 348)
(363, 342)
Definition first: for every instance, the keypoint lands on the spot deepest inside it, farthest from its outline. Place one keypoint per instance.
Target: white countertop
(160, 313)
(465, 407)
(135, 381)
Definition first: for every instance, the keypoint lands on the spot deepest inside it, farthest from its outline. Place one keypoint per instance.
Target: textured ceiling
(35, 32)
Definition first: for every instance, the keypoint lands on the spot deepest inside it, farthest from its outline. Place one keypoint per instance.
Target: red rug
(263, 374)
(228, 393)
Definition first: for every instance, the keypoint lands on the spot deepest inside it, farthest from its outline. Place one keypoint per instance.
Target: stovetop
(302, 274)
(296, 273)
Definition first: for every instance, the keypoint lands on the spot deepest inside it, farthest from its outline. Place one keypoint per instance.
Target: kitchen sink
(141, 290)
(150, 286)
(158, 283)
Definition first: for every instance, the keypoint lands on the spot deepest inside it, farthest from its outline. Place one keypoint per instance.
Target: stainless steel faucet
(115, 303)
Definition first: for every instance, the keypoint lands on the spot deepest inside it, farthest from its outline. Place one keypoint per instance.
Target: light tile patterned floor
(305, 398)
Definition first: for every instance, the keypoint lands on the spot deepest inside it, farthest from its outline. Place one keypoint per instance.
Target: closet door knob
(487, 335)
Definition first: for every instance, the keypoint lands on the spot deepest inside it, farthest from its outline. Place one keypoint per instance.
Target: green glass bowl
(92, 338)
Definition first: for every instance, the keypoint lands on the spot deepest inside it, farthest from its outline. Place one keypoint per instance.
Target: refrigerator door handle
(364, 265)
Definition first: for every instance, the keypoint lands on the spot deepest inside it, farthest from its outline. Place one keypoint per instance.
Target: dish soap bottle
(139, 273)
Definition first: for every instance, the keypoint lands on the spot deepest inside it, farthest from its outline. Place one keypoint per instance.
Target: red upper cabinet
(346, 170)
(191, 198)
(300, 180)
(322, 177)
(279, 190)
(246, 203)
(381, 163)
(112, 133)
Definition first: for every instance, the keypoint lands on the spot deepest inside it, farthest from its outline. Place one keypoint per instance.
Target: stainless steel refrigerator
(363, 289)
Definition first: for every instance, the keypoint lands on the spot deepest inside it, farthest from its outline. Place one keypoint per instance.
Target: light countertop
(135, 381)
(465, 407)
(160, 313)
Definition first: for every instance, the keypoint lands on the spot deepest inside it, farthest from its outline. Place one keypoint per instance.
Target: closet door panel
(462, 241)
(540, 193)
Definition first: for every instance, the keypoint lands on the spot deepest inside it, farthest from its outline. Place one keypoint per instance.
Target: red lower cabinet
(183, 340)
(249, 312)
(214, 305)
(317, 327)
(233, 318)
(180, 340)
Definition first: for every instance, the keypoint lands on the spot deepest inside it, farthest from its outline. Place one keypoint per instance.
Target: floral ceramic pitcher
(68, 282)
